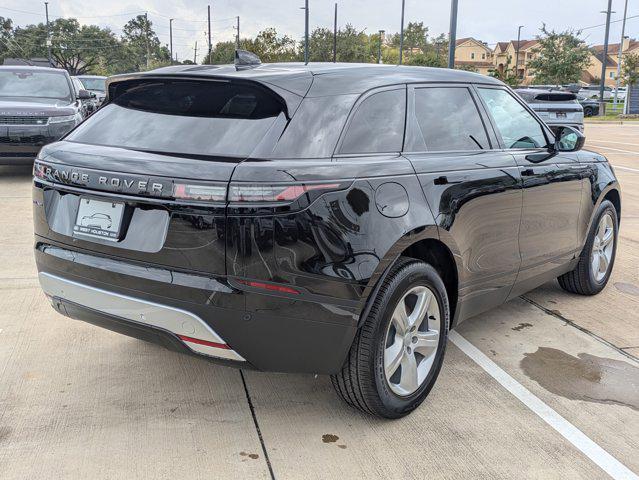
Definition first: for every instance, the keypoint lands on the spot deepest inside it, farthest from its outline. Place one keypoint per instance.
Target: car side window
(447, 119)
(518, 128)
(377, 126)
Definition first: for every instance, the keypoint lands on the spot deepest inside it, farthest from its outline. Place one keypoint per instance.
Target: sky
(487, 20)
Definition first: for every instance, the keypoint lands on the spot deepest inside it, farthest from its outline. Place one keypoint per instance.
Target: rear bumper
(196, 314)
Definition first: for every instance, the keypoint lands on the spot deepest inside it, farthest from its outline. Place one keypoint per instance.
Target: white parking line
(613, 149)
(620, 143)
(588, 447)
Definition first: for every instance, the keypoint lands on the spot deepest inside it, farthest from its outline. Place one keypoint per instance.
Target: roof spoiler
(245, 59)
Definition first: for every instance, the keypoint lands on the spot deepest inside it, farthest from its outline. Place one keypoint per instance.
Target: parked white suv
(592, 91)
(556, 109)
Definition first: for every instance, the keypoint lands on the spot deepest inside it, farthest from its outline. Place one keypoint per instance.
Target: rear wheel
(588, 111)
(591, 274)
(397, 354)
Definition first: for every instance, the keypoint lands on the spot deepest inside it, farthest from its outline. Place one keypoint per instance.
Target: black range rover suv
(332, 219)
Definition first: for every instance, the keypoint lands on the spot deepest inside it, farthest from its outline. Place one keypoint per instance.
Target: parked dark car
(590, 105)
(38, 105)
(332, 219)
(87, 105)
(95, 84)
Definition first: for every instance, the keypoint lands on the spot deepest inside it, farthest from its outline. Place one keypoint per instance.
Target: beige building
(473, 53)
(505, 56)
(593, 72)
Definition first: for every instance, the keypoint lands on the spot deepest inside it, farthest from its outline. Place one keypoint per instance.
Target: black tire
(582, 279)
(588, 111)
(362, 382)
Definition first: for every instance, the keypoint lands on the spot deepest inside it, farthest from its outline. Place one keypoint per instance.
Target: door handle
(528, 172)
(443, 180)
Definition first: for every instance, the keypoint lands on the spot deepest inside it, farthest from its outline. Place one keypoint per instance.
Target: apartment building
(470, 52)
(593, 72)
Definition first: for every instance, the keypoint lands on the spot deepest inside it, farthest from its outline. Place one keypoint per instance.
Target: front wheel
(591, 274)
(398, 351)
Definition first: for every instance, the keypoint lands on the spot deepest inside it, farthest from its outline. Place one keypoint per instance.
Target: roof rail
(245, 59)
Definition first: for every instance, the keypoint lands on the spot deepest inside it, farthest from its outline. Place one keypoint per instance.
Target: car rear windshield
(33, 83)
(553, 97)
(210, 118)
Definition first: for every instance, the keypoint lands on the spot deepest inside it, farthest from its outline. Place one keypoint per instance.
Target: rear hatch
(145, 178)
(557, 107)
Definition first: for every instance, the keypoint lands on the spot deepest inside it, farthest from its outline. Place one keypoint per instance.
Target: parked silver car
(556, 108)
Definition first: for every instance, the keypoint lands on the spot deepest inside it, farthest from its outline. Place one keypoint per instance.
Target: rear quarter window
(377, 126)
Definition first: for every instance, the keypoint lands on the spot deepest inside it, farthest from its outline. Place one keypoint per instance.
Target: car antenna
(245, 59)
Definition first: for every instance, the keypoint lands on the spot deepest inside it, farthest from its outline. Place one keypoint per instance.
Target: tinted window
(378, 124)
(203, 118)
(314, 129)
(518, 128)
(34, 83)
(447, 119)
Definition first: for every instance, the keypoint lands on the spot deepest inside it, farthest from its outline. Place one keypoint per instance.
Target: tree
(320, 45)
(560, 58)
(630, 70)
(354, 46)
(79, 49)
(142, 46)
(222, 52)
(6, 32)
(508, 75)
(272, 48)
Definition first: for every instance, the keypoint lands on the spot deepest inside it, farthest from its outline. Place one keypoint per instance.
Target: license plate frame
(99, 218)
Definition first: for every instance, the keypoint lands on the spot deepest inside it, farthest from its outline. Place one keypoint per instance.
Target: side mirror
(568, 139)
(84, 95)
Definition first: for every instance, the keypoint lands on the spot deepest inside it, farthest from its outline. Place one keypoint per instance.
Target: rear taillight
(204, 193)
(256, 193)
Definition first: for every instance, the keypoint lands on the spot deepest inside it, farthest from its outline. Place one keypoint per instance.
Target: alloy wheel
(412, 340)
(602, 248)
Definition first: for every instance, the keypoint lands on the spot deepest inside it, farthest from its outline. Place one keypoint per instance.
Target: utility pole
(195, 53)
(620, 58)
(46, 10)
(604, 59)
(452, 34)
(238, 33)
(517, 50)
(209, 17)
(305, 8)
(146, 35)
(171, 38)
(401, 34)
(379, 49)
(335, 35)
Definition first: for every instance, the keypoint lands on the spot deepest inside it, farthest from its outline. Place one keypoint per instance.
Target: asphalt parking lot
(546, 386)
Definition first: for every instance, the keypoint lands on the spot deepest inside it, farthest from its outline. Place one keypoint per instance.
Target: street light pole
(335, 35)
(604, 60)
(171, 38)
(517, 50)
(452, 35)
(46, 10)
(146, 36)
(620, 58)
(209, 23)
(379, 51)
(238, 33)
(401, 35)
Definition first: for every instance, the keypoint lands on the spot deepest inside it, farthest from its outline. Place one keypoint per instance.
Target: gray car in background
(556, 108)
(95, 84)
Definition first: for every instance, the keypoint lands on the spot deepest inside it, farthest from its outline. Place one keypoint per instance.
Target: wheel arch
(422, 244)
